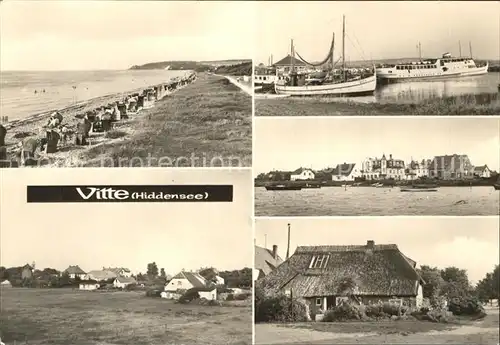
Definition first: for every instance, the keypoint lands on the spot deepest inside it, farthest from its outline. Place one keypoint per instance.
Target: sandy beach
(101, 145)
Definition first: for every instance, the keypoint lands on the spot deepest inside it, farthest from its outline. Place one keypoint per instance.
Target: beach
(113, 145)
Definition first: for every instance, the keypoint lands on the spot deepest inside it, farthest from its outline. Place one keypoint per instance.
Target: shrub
(230, 297)
(189, 296)
(434, 315)
(345, 311)
(114, 134)
(466, 306)
(279, 308)
(242, 296)
(153, 293)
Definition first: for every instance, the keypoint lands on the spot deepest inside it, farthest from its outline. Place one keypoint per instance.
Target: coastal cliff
(229, 67)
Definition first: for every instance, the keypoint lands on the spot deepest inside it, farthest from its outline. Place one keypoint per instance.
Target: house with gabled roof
(482, 171)
(123, 282)
(302, 174)
(451, 167)
(285, 64)
(119, 271)
(101, 275)
(327, 275)
(266, 261)
(184, 281)
(27, 272)
(75, 272)
(345, 172)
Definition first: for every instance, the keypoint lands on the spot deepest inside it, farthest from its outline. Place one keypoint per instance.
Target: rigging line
(362, 56)
(328, 57)
(359, 45)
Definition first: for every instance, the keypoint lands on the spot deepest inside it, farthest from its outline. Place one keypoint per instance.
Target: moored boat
(330, 83)
(419, 188)
(444, 67)
(283, 187)
(312, 185)
(496, 186)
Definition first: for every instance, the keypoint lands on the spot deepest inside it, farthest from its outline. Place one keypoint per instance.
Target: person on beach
(3, 149)
(28, 149)
(82, 132)
(53, 137)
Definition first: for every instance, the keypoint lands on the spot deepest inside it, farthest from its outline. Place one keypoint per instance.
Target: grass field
(208, 123)
(485, 104)
(65, 316)
(485, 331)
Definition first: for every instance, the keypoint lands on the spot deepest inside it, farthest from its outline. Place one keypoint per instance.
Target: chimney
(288, 247)
(275, 251)
(370, 244)
(390, 156)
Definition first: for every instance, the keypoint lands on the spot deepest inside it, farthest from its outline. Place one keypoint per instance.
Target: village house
(89, 285)
(265, 261)
(101, 275)
(482, 171)
(383, 168)
(451, 167)
(184, 281)
(75, 272)
(5, 284)
(285, 65)
(27, 272)
(119, 271)
(418, 169)
(302, 174)
(123, 282)
(327, 275)
(345, 172)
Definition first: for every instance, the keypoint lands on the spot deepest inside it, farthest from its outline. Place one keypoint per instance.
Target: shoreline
(32, 126)
(388, 184)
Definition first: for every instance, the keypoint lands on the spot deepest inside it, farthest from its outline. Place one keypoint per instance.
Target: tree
(162, 273)
(434, 282)
(152, 271)
(488, 287)
(209, 273)
(456, 282)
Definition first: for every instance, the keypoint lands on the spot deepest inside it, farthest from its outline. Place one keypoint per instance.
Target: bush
(230, 297)
(153, 293)
(189, 296)
(466, 306)
(346, 311)
(115, 134)
(434, 315)
(242, 296)
(279, 308)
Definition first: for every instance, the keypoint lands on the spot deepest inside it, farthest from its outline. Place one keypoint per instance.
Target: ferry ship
(429, 69)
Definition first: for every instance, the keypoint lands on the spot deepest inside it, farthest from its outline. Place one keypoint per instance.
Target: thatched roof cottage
(266, 261)
(326, 275)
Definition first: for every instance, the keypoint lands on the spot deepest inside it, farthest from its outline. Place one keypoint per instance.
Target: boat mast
(470, 49)
(292, 56)
(459, 49)
(420, 51)
(333, 45)
(343, 46)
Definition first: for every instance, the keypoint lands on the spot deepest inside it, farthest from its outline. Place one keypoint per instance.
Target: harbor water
(371, 201)
(23, 94)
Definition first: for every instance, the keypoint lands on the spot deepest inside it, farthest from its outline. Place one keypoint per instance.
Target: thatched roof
(287, 61)
(126, 280)
(194, 278)
(376, 270)
(74, 270)
(265, 261)
(102, 275)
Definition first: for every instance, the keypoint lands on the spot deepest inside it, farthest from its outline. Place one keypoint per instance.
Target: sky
(90, 35)
(319, 143)
(378, 29)
(470, 243)
(174, 235)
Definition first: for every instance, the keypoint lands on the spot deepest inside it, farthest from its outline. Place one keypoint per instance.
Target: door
(330, 302)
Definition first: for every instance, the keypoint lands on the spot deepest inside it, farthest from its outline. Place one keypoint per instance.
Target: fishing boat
(283, 187)
(447, 66)
(419, 188)
(497, 186)
(331, 83)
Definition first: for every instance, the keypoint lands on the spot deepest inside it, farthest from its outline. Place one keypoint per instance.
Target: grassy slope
(324, 107)
(210, 118)
(244, 68)
(63, 316)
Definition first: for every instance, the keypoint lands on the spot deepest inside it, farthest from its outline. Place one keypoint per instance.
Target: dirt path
(246, 88)
(485, 331)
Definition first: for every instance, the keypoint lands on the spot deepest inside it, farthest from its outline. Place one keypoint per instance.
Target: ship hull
(362, 87)
(385, 78)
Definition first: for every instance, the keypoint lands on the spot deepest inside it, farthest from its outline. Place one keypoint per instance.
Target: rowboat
(283, 187)
(418, 189)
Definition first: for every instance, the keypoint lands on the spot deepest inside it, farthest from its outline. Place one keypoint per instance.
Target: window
(318, 302)
(319, 261)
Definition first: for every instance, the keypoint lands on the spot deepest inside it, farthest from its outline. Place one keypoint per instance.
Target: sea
(418, 91)
(23, 94)
(371, 201)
